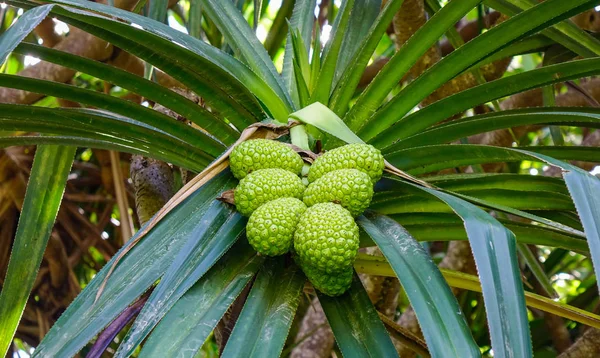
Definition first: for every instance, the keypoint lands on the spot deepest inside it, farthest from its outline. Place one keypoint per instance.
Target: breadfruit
(256, 154)
(265, 185)
(363, 157)
(270, 229)
(350, 188)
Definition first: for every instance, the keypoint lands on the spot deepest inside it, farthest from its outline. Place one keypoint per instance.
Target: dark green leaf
(582, 117)
(441, 319)
(220, 79)
(20, 29)
(265, 320)
(350, 78)
(117, 145)
(404, 59)
(239, 35)
(219, 228)
(148, 89)
(191, 320)
(136, 272)
(364, 14)
(585, 191)
(356, 325)
(498, 37)
(158, 10)
(97, 125)
(331, 54)
(494, 249)
(116, 105)
(51, 166)
(565, 32)
(428, 159)
(302, 21)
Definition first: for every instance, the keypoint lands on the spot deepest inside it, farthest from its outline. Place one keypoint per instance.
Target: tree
(178, 103)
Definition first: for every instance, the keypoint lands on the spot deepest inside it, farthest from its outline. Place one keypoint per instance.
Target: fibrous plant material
(256, 154)
(363, 157)
(270, 229)
(350, 188)
(327, 238)
(264, 185)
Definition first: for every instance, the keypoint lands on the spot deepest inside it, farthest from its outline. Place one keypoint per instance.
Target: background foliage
(105, 87)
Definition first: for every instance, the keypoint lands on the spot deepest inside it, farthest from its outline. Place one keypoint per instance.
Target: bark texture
(315, 338)
(588, 345)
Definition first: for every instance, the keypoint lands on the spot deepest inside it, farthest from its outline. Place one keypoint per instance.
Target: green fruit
(350, 188)
(270, 229)
(328, 284)
(265, 185)
(363, 157)
(256, 154)
(326, 238)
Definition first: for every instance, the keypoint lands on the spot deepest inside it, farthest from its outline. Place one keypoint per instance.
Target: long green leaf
(563, 221)
(427, 227)
(47, 181)
(585, 191)
(93, 124)
(565, 32)
(363, 16)
(375, 265)
(420, 160)
(464, 182)
(302, 20)
(494, 250)
(331, 54)
(20, 29)
(158, 10)
(460, 185)
(199, 66)
(581, 117)
(391, 203)
(136, 272)
(219, 229)
(264, 323)
(349, 79)
(356, 326)
(150, 90)
(112, 144)
(443, 324)
(189, 323)
(531, 44)
(404, 59)
(126, 108)
(239, 35)
(498, 37)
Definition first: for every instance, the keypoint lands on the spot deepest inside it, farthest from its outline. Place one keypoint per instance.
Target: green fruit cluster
(264, 185)
(363, 157)
(320, 228)
(327, 238)
(269, 192)
(256, 154)
(350, 188)
(271, 227)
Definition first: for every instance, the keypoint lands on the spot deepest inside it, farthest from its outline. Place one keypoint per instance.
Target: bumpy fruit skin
(330, 285)
(256, 154)
(350, 188)
(270, 229)
(265, 185)
(363, 157)
(327, 238)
